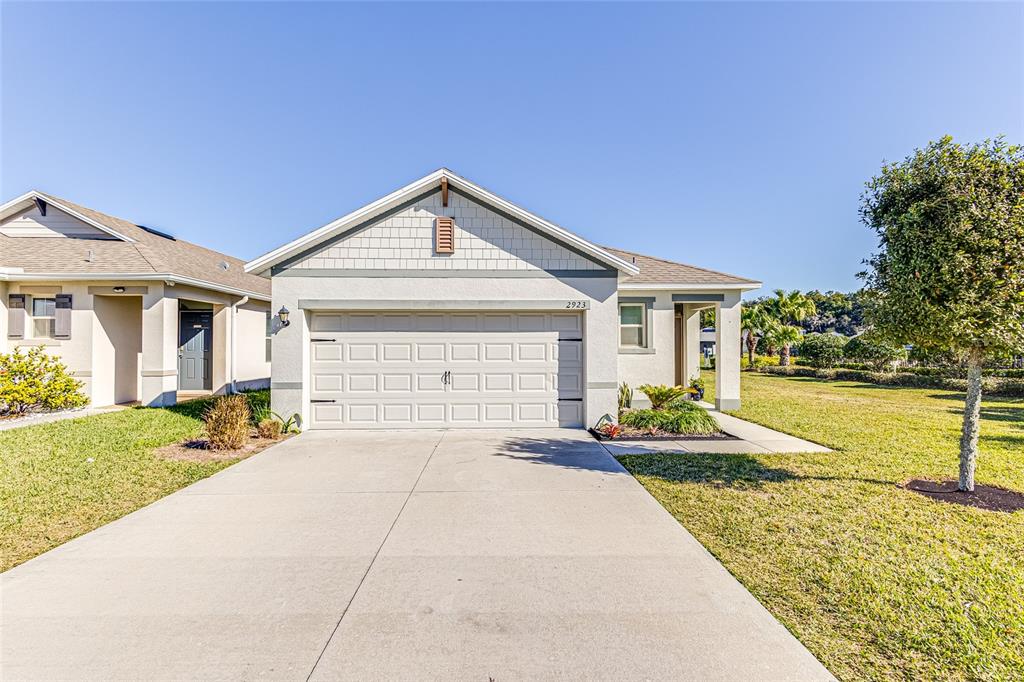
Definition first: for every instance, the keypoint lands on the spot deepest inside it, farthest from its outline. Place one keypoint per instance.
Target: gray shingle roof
(660, 271)
(149, 253)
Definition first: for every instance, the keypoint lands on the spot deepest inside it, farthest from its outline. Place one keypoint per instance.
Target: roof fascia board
(724, 286)
(33, 194)
(128, 277)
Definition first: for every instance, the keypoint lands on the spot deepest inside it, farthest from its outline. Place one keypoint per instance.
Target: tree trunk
(751, 345)
(784, 355)
(972, 411)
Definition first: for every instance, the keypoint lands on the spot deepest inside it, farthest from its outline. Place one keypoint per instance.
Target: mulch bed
(199, 450)
(636, 434)
(986, 497)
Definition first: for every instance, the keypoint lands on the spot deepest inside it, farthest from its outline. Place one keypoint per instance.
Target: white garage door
(426, 370)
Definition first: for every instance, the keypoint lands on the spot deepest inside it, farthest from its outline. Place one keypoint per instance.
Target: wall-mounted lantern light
(283, 314)
(118, 290)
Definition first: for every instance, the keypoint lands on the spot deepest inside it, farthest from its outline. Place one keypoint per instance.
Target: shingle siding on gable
(484, 240)
(55, 223)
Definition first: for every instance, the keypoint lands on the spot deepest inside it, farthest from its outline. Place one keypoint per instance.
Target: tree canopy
(949, 272)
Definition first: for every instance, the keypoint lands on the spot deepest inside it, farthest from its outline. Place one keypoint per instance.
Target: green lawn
(878, 582)
(62, 479)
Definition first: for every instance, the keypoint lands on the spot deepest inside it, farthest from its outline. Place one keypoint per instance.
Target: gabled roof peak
(264, 263)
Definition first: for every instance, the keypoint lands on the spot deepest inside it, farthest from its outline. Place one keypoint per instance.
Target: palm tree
(788, 308)
(755, 321)
(784, 336)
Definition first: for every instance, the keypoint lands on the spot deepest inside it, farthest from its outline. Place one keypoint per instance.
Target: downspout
(234, 333)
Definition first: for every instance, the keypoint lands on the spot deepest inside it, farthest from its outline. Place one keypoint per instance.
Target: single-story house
(135, 314)
(444, 305)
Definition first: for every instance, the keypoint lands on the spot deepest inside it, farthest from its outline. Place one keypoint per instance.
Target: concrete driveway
(396, 555)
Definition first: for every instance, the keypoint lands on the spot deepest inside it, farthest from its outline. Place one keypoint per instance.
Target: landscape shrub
(876, 353)
(685, 418)
(1010, 387)
(663, 396)
(759, 362)
(822, 350)
(227, 422)
(36, 380)
(269, 428)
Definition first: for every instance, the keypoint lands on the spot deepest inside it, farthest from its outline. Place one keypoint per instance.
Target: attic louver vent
(444, 235)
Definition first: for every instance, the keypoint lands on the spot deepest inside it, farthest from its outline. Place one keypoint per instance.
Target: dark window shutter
(16, 316)
(444, 235)
(62, 323)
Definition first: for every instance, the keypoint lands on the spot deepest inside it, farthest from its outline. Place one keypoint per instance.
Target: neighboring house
(707, 341)
(444, 305)
(136, 314)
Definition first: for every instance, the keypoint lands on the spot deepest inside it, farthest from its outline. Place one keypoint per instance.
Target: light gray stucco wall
(290, 371)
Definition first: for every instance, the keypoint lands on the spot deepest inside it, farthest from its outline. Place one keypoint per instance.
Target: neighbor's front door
(195, 331)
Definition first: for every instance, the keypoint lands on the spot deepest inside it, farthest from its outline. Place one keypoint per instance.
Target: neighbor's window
(268, 340)
(44, 317)
(632, 325)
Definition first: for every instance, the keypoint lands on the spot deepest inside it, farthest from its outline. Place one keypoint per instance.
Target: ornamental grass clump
(227, 422)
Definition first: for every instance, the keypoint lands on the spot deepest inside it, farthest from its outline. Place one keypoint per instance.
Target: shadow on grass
(723, 471)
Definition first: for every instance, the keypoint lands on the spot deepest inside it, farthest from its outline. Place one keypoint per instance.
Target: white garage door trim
(416, 369)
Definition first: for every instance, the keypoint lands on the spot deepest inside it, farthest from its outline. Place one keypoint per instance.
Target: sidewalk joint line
(375, 555)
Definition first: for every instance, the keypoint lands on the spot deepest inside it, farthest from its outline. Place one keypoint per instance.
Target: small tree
(783, 336)
(756, 322)
(787, 308)
(822, 350)
(949, 271)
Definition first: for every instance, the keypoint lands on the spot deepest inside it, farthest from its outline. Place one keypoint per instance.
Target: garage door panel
(430, 352)
(361, 322)
(464, 413)
(465, 382)
(569, 413)
(431, 322)
(363, 413)
(326, 323)
(497, 352)
(406, 370)
(498, 382)
(433, 413)
(464, 352)
(359, 352)
(327, 352)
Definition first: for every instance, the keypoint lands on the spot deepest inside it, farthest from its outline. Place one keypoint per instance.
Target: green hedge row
(1003, 386)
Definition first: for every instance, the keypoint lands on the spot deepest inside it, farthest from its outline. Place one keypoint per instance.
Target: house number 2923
(576, 305)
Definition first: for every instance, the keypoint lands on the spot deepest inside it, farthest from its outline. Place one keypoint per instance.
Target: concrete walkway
(753, 439)
(396, 555)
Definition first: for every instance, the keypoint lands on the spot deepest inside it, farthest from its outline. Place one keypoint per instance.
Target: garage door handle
(322, 401)
(446, 378)
(322, 340)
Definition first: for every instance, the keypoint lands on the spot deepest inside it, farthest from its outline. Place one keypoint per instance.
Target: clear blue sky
(733, 136)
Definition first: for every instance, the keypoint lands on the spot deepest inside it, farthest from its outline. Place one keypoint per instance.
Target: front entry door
(195, 331)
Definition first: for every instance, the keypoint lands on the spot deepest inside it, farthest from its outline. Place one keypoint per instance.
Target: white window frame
(644, 326)
(51, 326)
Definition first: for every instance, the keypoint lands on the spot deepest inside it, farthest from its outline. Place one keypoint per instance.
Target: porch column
(691, 342)
(159, 349)
(727, 352)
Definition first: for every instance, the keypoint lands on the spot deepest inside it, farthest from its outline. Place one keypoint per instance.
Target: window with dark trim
(633, 332)
(44, 317)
